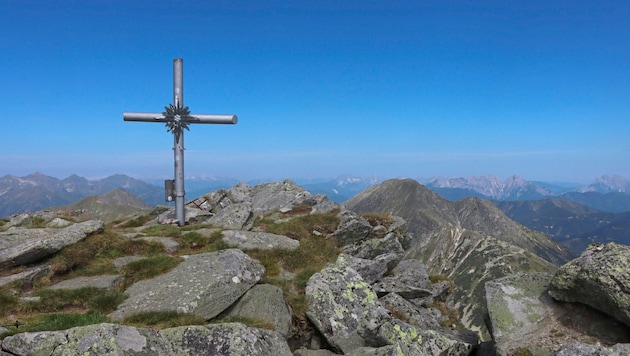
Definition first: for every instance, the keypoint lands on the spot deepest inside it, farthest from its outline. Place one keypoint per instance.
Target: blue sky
(387, 88)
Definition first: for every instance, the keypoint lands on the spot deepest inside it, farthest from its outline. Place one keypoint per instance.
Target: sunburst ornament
(176, 118)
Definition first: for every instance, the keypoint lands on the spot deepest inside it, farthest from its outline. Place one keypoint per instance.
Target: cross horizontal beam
(193, 119)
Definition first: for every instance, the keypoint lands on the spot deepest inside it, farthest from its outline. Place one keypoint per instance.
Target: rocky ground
(274, 270)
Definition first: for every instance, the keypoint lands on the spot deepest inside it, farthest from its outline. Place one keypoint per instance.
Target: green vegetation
(163, 319)
(375, 219)
(148, 268)
(300, 227)
(194, 242)
(92, 255)
(37, 222)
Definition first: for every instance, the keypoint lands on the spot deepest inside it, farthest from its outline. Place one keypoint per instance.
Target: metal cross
(177, 117)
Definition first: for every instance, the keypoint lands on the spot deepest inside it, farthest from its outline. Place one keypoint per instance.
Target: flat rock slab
(107, 282)
(516, 309)
(28, 276)
(259, 240)
(265, 302)
(205, 285)
(21, 246)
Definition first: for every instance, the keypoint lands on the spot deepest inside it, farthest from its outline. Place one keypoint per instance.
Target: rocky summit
(275, 270)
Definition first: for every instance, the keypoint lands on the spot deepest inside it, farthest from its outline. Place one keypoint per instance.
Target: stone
(391, 284)
(204, 285)
(264, 302)
(403, 309)
(600, 278)
(234, 339)
(372, 248)
(370, 270)
(517, 312)
(259, 240)
(33, 343)
(27, 277)
(338, 297)
(24, 246)
(58, 222)
(581, 349)
(235, 216)
(352, 228)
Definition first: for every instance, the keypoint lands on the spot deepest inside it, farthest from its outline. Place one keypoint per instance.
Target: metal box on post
(169, 189)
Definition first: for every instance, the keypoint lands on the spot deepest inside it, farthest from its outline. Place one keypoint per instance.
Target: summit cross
(177, 117)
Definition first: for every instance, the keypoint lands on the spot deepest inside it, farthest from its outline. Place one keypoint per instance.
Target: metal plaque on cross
(177, 117)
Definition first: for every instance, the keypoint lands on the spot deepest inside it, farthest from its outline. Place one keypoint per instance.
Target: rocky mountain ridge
(370, 297)
(38, 191)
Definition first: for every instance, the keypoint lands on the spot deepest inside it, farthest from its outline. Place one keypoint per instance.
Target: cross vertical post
(177, 118)
(178, 144)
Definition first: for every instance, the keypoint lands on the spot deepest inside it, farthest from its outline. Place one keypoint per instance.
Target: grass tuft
(148, 268)
(163, 319)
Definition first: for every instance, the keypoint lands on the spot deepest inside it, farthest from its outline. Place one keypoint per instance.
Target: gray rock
(265, 302)
(28, 277)
(338, 297)
(370, 270)
(234, 339)
(372, 248)
(600, 278)
(307, 352)
(405, 310)
(111, 339)
(383, 330)
(35, 343)
(58, 222)
(352, 228)
(23, 246)
(235, 216)
(391, 284)
(413, 273)
(517, 314)
(274, 196)
(259, 240)
(204, 285)
(581, 349)
(321, 204)
(106, 282)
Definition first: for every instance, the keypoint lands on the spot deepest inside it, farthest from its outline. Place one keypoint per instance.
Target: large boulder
(264, 302)
(235, 216)
(338, 297)
(20, 246)
(519, 310)
(352, 228)
(205, 285)
(600, 278)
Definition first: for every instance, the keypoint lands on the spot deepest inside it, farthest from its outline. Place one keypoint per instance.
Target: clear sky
(321, 88)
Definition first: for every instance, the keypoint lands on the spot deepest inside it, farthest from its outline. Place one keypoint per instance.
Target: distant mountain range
(572, 214)
(38, 191)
